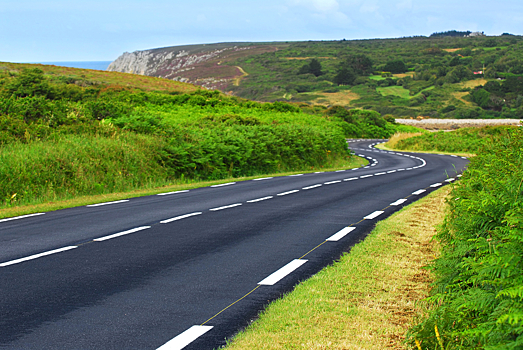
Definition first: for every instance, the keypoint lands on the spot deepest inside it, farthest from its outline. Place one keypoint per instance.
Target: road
(189, 269)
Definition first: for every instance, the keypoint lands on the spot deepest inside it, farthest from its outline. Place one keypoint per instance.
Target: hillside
(438, 76)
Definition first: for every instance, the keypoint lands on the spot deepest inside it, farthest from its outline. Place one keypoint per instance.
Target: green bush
(477, 299)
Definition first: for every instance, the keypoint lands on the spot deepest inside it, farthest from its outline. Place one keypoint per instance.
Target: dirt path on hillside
(236, 81)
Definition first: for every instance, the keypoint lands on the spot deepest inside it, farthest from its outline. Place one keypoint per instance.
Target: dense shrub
(477, 298)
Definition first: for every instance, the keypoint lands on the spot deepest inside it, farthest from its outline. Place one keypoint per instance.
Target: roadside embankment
(366, 300)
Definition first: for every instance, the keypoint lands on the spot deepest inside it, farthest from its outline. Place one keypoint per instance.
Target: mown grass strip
(183, 185)
(366, 300)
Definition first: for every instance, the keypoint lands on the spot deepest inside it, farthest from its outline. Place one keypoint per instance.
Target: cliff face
(204, 65)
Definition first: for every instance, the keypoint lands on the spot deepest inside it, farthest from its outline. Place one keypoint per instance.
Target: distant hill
(436, 76)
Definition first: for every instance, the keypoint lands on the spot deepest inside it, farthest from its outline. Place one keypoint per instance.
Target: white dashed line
(275, 277)
(121, 233)
(351, 179)
(450, 179)
(340, 234)
(418, 192)
(392, 171)
(180, 217)
(226, 207)
(288, 192)
(436, 185)
(374, 215)
(181, 341)
(365, 176)
(399, 201)
(311, 187)
(339, 171)
(297, 175)
(332, 182)
(377, 174)
(259, 199)
(168, 193)
(263, 178)
(107, 203)
(36, 256)
(221, 185)
(21, 217)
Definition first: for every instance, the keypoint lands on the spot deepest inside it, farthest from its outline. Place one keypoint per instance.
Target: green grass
(399, 91)
(367, 299)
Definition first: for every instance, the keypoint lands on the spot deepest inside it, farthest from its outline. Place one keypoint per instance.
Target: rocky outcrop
(197, 64)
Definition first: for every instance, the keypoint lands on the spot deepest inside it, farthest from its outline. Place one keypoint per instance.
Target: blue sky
(94, 30)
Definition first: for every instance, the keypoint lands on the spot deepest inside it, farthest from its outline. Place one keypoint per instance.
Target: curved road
(189, 269)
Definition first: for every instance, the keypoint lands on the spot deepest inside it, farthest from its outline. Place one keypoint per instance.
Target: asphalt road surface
(189, 269)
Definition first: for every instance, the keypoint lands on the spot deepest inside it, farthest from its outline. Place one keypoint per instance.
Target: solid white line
(21, 217)
(179, 217)
(121, 233)
(107, 203)
(311, 187)
(392, 171)
(259, 199)
(364, 176)
(221, 185)
(377, 174)
(332, 182)
(182, 340)
(263, 178)
(226, 207)
(350, 179)
(275, 277)
(399, 201)
(340, 234)
(436, 185)
(418, 192)
(17, 261)
(374, 215)
(167, 193)
(286, 193)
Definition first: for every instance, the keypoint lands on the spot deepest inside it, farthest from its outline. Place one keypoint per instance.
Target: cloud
(318, 6)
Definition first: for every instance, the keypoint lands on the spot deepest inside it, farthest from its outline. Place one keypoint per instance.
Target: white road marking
(121, 233)
(311, 187)
(286, 193)
(339, 171)
(21, 217)
(373, 164)
(408, 169)
(364, 176)
(450, 179)
(399, 201)
(263, 178)
(275, 277)
(418, 192)
(107, 203)
(340, 234)
(377, 174)
(374, 215)
(436, 185)
(459, 175)
(366, 167)
(401, 169)
(180, 217)
(464, 157)
(392, 171)
(351, 179)
(36, 256)
(259, 199)
(182, 340)
(226, 184)
(296, 175)
(226, 207)
(453, 156)
(332, 182)
(168, 193)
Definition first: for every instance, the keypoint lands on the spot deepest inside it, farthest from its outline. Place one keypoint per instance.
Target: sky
(95, 30)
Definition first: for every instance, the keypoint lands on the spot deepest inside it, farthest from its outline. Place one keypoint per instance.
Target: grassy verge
(398, 137)
(31, 208)
(366, 300)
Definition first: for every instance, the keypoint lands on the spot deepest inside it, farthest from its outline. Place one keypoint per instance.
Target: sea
(97, 65)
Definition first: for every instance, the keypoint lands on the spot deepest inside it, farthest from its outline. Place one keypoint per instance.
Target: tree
(359, 64)
(344, 77)
(395, 67)
(314, 67)
(30, 82)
